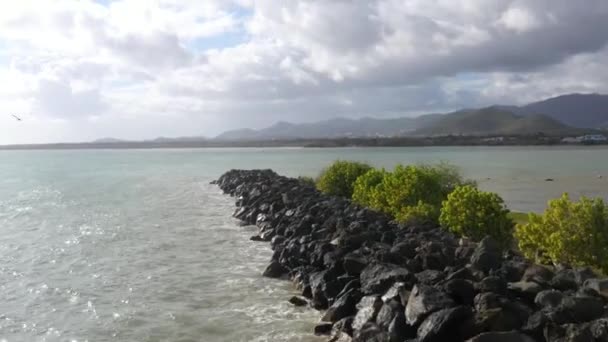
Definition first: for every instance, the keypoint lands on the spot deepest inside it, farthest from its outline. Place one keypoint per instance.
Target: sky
(79, 70)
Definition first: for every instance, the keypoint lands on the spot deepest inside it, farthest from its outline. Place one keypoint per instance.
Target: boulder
(275, 270)
(342, 330)
(368, 308)
(443, 325)
(462, 291)
(538, 274)
(423, 301)
(525, 289)
(322, 329)
(371, 332)
(353, 264)
(377, 278)
(548, 299)
(344, 306)
(487, 256)
(599, 285)
(298, 301)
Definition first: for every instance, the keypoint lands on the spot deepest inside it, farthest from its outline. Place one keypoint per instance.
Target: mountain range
(566, 114)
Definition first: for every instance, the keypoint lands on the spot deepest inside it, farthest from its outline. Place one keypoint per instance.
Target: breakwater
(376, 280)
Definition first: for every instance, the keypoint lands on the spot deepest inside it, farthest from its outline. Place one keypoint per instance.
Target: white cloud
(141, 68)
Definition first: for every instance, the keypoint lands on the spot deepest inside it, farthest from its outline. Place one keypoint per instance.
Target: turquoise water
(135, 245)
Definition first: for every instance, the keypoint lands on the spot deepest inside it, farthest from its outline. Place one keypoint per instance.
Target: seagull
(16, 117)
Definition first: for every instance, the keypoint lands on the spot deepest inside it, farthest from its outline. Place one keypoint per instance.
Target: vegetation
(408, 192)
(473, 213)
(339, 178)
(307, 180)
(574, 233)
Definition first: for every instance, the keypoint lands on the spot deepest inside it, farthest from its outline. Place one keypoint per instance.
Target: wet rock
(298, 301)
(275, 270)
(371, 332)
(342, 330)
(487, 255)
(443, 325)
(368, 308)
(423, 301)
(344, 306)
(322, 329)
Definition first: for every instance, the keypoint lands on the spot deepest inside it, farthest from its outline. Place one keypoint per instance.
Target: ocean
(136, 245)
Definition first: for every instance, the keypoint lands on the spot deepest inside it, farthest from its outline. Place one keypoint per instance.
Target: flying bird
(16, 117)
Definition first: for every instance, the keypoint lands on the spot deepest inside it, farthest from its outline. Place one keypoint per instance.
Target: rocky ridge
(376, 280)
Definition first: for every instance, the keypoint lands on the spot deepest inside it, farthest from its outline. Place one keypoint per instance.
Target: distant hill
(492, 121)
(577, 110)
(108, 141)
(334, 128)
(560, 114)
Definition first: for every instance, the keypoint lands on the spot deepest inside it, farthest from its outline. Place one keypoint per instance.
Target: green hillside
(491, 121)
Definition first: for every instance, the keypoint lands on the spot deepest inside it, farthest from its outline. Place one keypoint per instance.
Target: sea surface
(136, 245)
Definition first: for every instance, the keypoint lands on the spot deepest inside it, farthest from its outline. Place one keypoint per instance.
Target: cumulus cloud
(199, 67)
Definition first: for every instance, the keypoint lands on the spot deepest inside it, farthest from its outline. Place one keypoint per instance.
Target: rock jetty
(376, 280)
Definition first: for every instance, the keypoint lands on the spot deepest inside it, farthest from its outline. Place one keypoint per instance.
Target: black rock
(462, 291)
(323, 329)
(298, 301)
(548, 299)
(370, 332)
(487, 255)
(354, 263)
(344, 306)
(538, 274)
(377, 278)
(368, 308)
(423, 301)
(492, 284)
(443, 325)
(275, 270)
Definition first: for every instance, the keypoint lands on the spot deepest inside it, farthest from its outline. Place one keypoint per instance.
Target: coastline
(439, 141)
(373, 278)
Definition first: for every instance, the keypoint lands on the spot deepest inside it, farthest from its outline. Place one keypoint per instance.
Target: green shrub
(408, 192)
(307, 180)
(364, 191)
(339, 178)
(473, 213)
(574, 233)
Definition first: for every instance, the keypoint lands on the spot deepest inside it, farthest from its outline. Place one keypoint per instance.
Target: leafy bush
(339, 178)
(574, 233)
(307, 180)
(364, 189)
(408, 192)
(473, 213)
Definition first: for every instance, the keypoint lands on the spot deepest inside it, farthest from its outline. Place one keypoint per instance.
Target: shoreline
(372, 278)
(442, 141)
